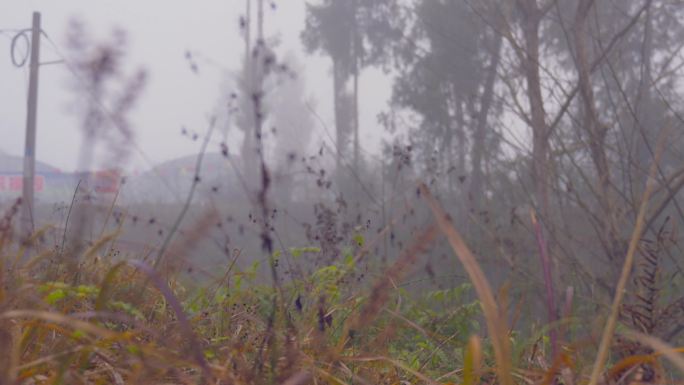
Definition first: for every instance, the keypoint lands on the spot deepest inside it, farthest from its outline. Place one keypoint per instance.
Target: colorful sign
(15, 183)
(100, 181)
(107, 181)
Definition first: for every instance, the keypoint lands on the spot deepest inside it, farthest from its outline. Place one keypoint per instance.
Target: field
(83, 318)
(355, 192)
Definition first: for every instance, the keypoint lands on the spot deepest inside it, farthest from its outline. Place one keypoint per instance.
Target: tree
(446, 75)
(354, 34)
(259, 61)
(291, 124)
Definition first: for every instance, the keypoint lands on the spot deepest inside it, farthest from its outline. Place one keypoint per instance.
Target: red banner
(15, 183)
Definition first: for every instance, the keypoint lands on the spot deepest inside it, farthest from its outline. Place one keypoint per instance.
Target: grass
(74, 314)
(124, 322)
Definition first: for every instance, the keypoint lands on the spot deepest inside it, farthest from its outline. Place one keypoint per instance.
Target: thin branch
(66, 224)
(188, 201)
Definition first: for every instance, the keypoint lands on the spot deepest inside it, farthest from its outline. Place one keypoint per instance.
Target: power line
(29, 169)
(13, 45)
(10, 32)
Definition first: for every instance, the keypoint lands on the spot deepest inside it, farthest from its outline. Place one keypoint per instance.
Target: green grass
(123, 322)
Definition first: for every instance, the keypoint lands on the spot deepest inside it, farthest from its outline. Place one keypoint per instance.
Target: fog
(157, 41)
(409, 155)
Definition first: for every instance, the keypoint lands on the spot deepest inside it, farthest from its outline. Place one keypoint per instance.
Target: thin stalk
(609, 329)
(548, 282)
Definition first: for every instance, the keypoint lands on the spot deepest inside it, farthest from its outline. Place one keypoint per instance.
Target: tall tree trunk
(462, 145)
(252, 98)
(356, 45)
(644, 104)
(480, 134)
(247, 119)
(540, 129)
(248, 38)
(540, 147)
(357, 145)
(260, 22)
(453, 125)
(341, 125)
(596, 132)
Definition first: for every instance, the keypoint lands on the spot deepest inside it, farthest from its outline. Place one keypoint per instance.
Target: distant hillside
(50, 183)
(15, 164)
(170, 181)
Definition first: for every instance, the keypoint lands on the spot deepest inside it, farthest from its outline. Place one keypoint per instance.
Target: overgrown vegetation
(123, 322)
(459, 255)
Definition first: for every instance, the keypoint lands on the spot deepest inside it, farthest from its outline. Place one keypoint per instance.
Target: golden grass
(620, 290)
(495, 317)
(122, 322)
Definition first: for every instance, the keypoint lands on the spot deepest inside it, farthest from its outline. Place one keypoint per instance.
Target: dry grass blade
(560, 361)
(331, 378)
(472, 361)
(628, 363)
(24, 248)
(13, 349)
(99, 244)
(300, 378)
(186, 328)
(609, 329)
(661, 348)
(106, 286)
(380, 291)
(50, 358)
(412, 324)
(397, 364)
(496, 323)
(60, 319)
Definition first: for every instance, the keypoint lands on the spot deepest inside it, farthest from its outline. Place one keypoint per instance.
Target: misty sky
(159, 34)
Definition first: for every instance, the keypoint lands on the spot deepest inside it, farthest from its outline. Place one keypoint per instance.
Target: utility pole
(356, 52)
(247, 104)
(260, 21)
(30, 146)
(248, 39)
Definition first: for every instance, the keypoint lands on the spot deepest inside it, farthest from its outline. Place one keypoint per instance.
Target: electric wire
(13, 45)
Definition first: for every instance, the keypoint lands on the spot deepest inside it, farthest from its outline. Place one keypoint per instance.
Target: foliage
(339, 309)
(133, 332)
(119, 323)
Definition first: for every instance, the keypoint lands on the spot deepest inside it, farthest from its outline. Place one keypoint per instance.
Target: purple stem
(548, 281)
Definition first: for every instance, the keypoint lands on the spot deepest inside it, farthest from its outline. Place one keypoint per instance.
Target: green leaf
(52, 286)
(87, 291)
(359, 240)
(78, 334)
(55, 296)
(349, 261)
(133, 349)
(209, 355)
(127, 308)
